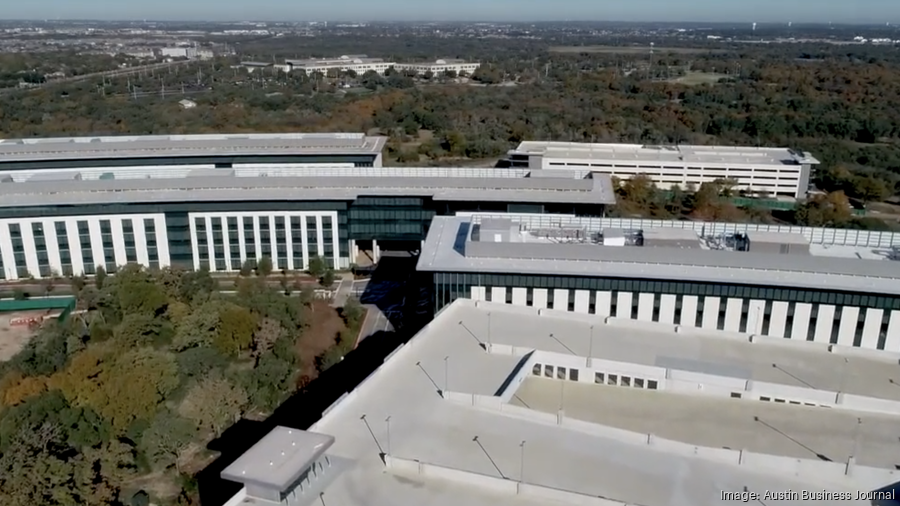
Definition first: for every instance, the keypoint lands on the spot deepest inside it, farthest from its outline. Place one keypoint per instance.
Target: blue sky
(761, 11)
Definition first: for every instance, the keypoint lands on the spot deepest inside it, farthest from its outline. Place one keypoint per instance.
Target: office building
(824, 286)
(440, 66)
(758, 171)
(68, 206)
(356, 63)
(494, 405)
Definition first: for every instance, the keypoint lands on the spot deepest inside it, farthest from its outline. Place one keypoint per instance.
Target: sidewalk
(345, 288)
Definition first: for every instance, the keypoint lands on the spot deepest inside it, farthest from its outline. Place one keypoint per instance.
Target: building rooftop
(680, 155)
(448, 248)
(443, 452)
(471, 185)
(279, 458)
(67, 148)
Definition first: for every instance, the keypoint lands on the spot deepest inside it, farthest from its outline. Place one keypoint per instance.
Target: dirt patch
(324, 326)
(15, 331)
(698, 78)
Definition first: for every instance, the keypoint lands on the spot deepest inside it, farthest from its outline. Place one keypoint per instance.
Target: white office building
(771, 171)
(739, 280)
(439, 66)
(356, 63)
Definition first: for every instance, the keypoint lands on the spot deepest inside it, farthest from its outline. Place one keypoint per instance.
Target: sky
(760, 11)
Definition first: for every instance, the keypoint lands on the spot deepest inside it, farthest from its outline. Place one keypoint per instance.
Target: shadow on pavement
(305, 407)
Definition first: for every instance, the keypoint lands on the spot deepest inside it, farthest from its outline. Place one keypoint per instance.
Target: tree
(136, 384)
(327, 279)
(831, 210)
(213, 403)
(77, 283)
(198, 329)
(166, 437)
(236, 327)
(100, 277)
(138, 330)
(121, 389)
(25, 388)
(352, 312)
(247, 268)
(19, 294)
(317, 267)
(266, 334)
(264, 267)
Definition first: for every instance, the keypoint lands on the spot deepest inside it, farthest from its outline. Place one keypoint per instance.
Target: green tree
(327, 279)
(199, 328)
(353, 312)
(236, 327)
(139, 330)
(317, 267)
(247, 268)
(100, 277)
(264, 267)
(213, 403)
(167, 436)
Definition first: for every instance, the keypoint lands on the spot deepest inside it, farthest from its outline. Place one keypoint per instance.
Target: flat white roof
(80, 148)
(678, 155)
(279, 458)
(399, 411)
(446, 249)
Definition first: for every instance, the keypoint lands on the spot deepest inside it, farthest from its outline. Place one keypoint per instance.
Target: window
(573, 374)
(561, 373)
(765, 399)
(548, 371)
(735, 395)
(599, 378)
(639, 382)
(780, 401)
(626, 381)
(652, 384)
(536, 370)
(612, 379)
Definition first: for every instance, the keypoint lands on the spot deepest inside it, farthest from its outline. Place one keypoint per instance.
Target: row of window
(571, 374)
(450, 286)
(777, 400)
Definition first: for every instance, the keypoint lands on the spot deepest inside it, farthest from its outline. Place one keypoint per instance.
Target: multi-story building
(440, 66)
(825, 286)
(68, 206)
(770, 171)
(356, 63)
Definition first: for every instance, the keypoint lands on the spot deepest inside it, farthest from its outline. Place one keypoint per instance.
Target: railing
(815, 235)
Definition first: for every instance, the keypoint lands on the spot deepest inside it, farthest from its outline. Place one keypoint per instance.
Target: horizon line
(455, 21)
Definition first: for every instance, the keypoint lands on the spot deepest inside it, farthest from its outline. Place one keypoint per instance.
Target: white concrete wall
(709, 317)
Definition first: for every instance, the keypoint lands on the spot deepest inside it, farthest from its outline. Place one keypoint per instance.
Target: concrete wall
(845, 475)
(683, 382)
(414, 468)
(600, 304)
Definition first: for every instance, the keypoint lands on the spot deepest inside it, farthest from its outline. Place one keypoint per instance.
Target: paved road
(375, 322)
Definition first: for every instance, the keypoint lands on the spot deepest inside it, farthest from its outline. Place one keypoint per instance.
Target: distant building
(356, 63)
(253, 66)
(440, 66)
(179, 52)
(187, 104)
(776, 171)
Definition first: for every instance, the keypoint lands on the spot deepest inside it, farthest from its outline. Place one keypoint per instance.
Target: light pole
(844, 374)
(591, 346)
(522, 462)
(387, 422)
(856, 436)
(446, 373)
